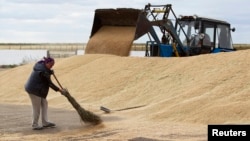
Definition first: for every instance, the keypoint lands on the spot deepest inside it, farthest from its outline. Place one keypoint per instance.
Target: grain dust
(116, 40)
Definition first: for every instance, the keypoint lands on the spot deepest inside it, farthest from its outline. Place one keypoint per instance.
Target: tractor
(169, 35)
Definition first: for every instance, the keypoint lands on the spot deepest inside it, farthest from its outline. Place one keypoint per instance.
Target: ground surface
(179, 97)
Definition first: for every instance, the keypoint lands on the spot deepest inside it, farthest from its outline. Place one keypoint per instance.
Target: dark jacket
(39, 81)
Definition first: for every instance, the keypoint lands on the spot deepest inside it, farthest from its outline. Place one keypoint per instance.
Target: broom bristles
(86, 116)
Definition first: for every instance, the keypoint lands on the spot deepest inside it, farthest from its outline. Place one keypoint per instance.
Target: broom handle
(57, 81)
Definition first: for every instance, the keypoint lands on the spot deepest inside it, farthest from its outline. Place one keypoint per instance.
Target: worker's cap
(48, 59)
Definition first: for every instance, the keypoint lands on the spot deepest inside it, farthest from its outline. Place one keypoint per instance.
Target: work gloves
(64, 91)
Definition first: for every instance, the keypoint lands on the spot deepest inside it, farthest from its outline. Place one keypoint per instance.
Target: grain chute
(113, 31)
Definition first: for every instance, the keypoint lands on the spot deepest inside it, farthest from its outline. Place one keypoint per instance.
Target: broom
(86, 116)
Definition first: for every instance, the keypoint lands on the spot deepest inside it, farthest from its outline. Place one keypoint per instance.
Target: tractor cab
(204, 35)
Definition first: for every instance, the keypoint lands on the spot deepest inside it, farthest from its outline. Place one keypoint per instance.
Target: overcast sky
(69, 21)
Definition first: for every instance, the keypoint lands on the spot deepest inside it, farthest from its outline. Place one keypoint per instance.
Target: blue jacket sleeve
(46, 77)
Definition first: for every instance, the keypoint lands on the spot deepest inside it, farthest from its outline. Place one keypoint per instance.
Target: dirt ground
(179, 97)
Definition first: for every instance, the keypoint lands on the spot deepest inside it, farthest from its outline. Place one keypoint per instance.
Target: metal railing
(62, 50)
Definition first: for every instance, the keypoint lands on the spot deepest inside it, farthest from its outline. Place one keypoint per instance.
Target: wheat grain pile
(180, 97)
(116, 40)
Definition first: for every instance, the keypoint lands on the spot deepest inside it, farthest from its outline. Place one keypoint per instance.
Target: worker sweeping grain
(37, 87)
